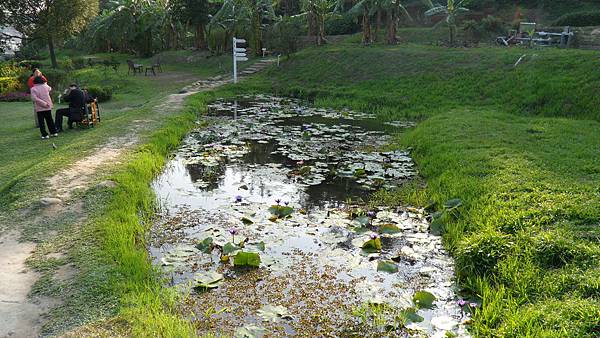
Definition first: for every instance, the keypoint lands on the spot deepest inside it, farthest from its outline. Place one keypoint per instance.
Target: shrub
(341, 24)
(66, 64)
(489, 27)
(57, 78)
(79, 63)
(579, 19)
(9, 69)
(102, 94)
(8, 84)
(30, 64)
(14, 97)
(283, 36)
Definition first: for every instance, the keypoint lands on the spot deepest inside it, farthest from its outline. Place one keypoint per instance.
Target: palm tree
(451, 11)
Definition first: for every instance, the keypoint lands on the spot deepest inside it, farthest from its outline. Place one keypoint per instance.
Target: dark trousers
(47, 116)
(60, 113)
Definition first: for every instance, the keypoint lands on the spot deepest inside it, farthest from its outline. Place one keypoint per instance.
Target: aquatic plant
(373, 244)
(233, 232)
(280, 211)
(206, 245)
(423, 299)
(207, 280)
(246, 259)
(238, 198)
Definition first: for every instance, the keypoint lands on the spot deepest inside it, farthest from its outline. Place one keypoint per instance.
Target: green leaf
(410, 316)
(281, 211)
(247, 221)
(247, 259)
(437, 226)
(272, 313)
(423, 299)
(208, 279)
(453, 204)
(230, 248)
(372, 245)
(387, 266)
(362, 220)
(261, 246)
(249, 331)
(206, 245)
(389, 229)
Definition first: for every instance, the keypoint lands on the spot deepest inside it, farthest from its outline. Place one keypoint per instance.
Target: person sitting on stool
(77, 100)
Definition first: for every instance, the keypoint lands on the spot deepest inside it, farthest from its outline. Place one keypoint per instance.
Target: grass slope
(519, 146)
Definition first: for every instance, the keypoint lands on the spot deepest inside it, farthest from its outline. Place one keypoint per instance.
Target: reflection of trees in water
(210, 175)
(260, 153)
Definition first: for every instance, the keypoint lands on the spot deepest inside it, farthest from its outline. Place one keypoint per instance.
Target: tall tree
(50, 20)
(451, 11)
(235, 15)
(394, 9)
(316, 11)
(195, 13)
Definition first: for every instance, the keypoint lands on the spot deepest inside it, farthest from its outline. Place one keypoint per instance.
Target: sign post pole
(239, 54)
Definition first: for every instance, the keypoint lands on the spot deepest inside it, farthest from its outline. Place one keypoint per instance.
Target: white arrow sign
(241, 59)
(240, 49)
(240, 54)
(239, 40)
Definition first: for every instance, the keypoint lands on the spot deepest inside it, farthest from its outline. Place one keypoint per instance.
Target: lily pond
(264, 222)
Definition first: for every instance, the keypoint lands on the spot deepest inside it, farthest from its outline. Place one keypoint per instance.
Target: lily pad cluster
(317, 260)
(315, 152)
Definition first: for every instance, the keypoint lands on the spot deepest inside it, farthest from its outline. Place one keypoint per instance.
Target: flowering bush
(14, 97)
(8, 84)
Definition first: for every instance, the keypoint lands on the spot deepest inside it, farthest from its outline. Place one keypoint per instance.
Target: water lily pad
(372, 245)
(362, 220)
(247, 221)
(249, 331)
(206, 245)
(208, 279)
(281, 211)
(387, 266)
(250, 259)
(389, 229)
(423, 299)
(410, 315)
(230, 248)
(273, 314)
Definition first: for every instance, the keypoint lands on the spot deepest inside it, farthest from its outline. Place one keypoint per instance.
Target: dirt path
(20, 314)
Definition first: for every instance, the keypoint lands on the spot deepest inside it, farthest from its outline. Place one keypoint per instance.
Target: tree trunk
(200, 37)
(257, 36)
(377, 25)
(52, 54)
(321, 32)
(391, 30)
(366, 23)
(451, 29)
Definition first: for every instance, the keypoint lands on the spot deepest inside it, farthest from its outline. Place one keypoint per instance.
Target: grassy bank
(519, 146)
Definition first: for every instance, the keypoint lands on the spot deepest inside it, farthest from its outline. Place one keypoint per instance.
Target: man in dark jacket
(77, 100)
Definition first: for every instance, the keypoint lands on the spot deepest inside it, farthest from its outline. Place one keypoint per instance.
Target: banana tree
(235, 15)
(365, 9)
(316, 11)
(451, 12)
(394, 9)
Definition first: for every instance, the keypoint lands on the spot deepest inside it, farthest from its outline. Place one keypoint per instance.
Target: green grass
(113, 276)
(519, 146)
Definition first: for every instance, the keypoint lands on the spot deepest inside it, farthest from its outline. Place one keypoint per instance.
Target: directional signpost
(239, 54)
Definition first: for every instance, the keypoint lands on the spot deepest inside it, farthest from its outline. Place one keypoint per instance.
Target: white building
(9, 44)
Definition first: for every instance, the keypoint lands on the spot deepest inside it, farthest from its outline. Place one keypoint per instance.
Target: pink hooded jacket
(40, 95)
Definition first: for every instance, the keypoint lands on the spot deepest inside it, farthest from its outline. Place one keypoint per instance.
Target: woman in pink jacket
(42, 104)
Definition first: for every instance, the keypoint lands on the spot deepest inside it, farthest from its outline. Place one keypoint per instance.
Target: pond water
(264, 221)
